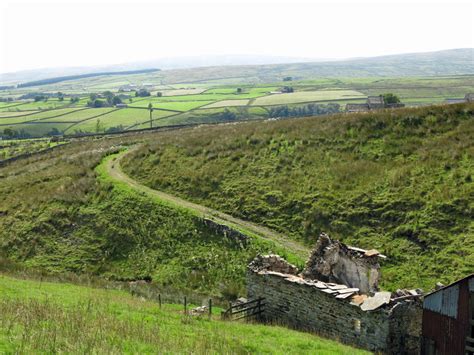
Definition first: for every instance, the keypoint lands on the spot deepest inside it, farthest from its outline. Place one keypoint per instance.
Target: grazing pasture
(307, 96)
(228, 103)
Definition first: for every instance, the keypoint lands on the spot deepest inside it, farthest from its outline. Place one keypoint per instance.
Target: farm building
(375, 102)
(337, 296)
(469, 97)
(448, 319)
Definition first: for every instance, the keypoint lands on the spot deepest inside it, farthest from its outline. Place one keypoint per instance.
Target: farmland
(210, 100)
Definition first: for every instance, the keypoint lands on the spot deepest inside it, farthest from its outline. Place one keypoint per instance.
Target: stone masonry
(376, 321)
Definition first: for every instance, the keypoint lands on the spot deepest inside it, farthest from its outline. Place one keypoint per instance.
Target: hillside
(45, 317)
(446, 62)
(398, 181)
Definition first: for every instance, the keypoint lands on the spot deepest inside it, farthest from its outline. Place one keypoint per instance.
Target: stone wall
(233, 235)
(302, 304)
(333, 261)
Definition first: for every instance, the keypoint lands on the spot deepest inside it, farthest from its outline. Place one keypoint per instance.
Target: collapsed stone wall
(333, 261)
(378, 323)
(231, 234)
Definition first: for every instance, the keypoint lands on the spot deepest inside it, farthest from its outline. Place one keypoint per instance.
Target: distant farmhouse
(373, 103)
(128, 88)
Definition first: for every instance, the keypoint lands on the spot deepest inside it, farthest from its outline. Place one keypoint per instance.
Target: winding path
(114, 170)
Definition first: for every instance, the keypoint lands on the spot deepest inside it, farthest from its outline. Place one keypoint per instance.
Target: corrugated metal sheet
(445, 301)
(471, 284)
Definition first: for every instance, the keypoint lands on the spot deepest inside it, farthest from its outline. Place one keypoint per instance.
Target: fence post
(210, 308)
(185, 306)
(159, 299)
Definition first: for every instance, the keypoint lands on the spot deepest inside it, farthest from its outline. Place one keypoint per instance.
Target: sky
(38, 34)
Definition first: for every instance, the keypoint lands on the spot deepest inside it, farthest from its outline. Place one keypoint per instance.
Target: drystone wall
(303, 306)
(332, 310)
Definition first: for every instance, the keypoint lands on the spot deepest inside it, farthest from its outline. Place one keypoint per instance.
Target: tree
(109, 96)
(287, 89)
(96, 103)
(74, 99)
(93, 97)
(159, 94)
(60, 96)
(390, 98)
(239, 90)
(287, 78)
(116, 100)
(9, 133)
(142, 93)
(150, 107)
(98, 126)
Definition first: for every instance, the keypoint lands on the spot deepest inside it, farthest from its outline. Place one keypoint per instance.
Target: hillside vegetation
(60, 214)
(398, 181)
(43, 317)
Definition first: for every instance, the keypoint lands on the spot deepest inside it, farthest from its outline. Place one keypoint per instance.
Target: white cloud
(49, 34)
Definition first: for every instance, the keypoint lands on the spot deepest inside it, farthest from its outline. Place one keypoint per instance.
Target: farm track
(115, 172)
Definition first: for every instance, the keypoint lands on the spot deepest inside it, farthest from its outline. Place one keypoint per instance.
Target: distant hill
(273, 68)
(447, 62)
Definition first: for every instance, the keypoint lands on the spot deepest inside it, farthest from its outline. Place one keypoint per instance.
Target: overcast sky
(38, 34)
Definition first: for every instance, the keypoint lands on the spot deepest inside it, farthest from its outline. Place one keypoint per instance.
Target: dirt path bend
(115, 172)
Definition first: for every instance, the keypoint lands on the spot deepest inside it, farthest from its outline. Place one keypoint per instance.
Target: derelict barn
(337, 296)
(448, 319)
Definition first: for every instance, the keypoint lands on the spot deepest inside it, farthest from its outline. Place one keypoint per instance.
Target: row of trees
(107, 99)
(301, 111)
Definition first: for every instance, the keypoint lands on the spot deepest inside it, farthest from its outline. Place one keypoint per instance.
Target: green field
(47, 317)
(12, 148)
(307, 96)
(208, 101)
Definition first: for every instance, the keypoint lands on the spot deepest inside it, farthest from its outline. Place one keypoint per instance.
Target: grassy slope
(397, 181)
(58, 214)
(51, 317)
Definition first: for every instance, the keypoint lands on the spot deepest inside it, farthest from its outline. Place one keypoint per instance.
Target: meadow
(47, 317)
(209, 101)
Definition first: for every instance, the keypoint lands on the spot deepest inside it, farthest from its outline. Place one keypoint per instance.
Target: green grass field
(216, 95)
(307, 96)
(46, 317)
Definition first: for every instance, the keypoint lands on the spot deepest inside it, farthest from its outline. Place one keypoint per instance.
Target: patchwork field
(307, 96)
(215, 100)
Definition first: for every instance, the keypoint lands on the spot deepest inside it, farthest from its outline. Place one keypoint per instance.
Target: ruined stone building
(372, 103)
(337, 296)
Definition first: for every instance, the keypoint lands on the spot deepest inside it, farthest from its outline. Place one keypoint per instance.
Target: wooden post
(210, 308)
(185, 306)
(159, 299)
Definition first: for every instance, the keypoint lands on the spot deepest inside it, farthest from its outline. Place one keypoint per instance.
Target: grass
(12, 148)
(193, 98)
(227, 103)
(44, 317)
(59, 215)
(398, 181)
(306, 96)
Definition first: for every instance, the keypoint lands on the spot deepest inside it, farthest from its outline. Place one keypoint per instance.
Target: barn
(448, 319)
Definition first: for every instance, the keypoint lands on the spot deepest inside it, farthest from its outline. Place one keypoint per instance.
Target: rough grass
(398, 181)
(57, 214)
(43, 317)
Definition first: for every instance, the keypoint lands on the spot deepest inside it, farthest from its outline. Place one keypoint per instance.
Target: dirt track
(114, 170)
